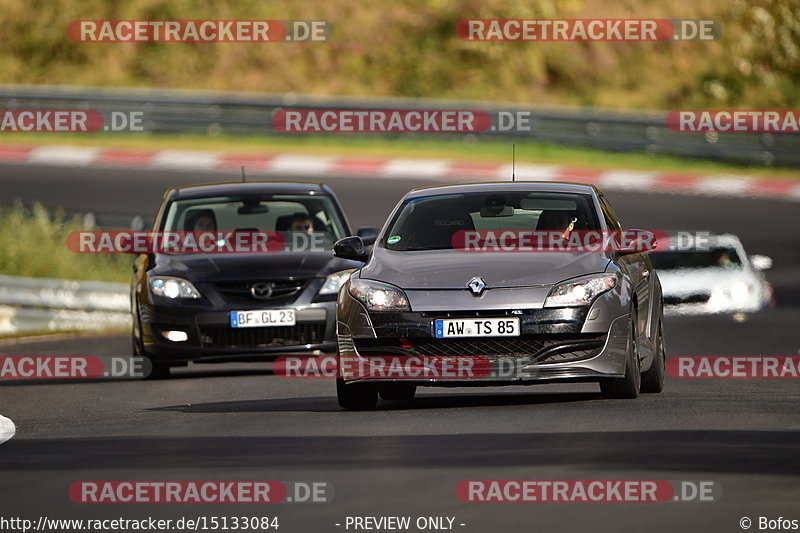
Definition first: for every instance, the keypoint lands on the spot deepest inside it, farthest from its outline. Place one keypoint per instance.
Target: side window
(611, 218)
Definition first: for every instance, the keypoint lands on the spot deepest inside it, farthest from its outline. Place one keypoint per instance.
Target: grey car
(525, 316)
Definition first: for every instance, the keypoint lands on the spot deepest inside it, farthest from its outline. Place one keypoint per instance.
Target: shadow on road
(328, 403)
(193, 372)
(756, 452)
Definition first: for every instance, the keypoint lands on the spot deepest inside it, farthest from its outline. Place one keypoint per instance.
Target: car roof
(250, 187)
(726, 239)
(507, 186)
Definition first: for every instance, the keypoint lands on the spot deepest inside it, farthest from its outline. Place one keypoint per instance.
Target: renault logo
(476, 285)
(262, 291)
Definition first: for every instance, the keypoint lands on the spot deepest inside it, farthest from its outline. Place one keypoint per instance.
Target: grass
(34, 244)
(364, 146)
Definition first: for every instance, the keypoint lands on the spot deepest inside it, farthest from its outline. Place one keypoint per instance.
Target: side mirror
(760, 262)
(351, 248)
(636, 241)
(368, 235)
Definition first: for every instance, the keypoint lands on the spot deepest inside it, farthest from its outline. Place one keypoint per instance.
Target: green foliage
(34, 244)
(410, 49)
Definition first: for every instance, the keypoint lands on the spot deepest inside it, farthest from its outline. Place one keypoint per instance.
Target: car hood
(452, 269)
(232, 267)
(700, 280)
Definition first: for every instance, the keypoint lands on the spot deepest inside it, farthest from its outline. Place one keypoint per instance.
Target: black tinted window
(429, 223)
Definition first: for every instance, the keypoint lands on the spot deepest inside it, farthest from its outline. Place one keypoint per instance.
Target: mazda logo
(476, 285)
(262, 291)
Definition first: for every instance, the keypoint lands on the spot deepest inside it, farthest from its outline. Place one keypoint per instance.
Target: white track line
(68, 156)
(310, 166)
(185, 160)
(7, 429)
(525, 171)
(420, 168)
(301, 164)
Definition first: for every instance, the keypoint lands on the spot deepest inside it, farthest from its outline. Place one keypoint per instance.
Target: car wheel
(158, 369)
(653, 379)
(398, 391)
(136, 347)
(627, 386)
(356, 396)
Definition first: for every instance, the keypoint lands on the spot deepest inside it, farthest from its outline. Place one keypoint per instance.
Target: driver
(723, 259)
(557, 220)
(202, 220)
(301, 223)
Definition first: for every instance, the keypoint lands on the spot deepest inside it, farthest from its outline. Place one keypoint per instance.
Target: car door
(643, 279)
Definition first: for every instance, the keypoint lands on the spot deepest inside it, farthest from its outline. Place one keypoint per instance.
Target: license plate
(262, 318)
(476, 327)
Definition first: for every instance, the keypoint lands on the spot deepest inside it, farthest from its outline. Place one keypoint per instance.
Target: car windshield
(430, 222)
(257, 213)
(721, 257)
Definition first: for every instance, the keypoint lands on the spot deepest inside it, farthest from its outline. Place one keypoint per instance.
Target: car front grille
(228, 337)
(694, 298)
(243, 289)
(541, 348)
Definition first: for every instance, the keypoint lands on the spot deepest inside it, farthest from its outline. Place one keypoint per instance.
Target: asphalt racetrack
(237, 421)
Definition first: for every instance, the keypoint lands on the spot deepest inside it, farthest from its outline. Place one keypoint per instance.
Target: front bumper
(211, 338)
(677, 306)
(553, 346)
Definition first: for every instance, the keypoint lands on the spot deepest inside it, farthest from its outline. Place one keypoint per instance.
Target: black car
(226, 305)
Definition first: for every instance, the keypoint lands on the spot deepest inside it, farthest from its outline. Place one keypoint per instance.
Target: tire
(158, 369)
(653, 379)
(398, 391)
(626, 387)
(356, 396)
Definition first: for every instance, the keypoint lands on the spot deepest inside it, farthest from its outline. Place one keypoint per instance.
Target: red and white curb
(309, 167)
(7, 429)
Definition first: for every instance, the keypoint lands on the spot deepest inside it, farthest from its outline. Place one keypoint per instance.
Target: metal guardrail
(29, 305)
(212, 113)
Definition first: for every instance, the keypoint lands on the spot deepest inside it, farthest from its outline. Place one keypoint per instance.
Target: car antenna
(243, 178)
(513, 161)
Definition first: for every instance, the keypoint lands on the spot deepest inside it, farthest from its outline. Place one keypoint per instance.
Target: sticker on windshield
(394, 239)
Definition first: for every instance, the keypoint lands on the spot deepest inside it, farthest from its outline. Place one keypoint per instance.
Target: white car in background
(717, 278)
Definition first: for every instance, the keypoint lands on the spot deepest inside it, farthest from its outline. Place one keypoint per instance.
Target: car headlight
(171, 287)
(738, 292)
(334, 282)
(379, 296)
(580, 291)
